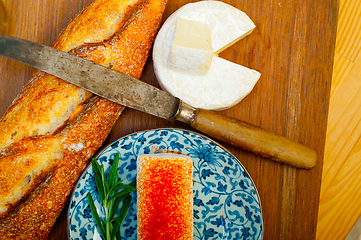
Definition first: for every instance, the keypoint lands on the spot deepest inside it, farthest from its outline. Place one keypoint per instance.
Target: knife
(133, 93)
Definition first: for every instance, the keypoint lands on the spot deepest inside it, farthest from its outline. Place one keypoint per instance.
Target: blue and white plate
(226, 201)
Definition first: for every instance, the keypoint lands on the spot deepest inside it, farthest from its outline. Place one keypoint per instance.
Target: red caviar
(164, 197)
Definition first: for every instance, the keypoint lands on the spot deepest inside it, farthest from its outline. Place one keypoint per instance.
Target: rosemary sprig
(112, 193)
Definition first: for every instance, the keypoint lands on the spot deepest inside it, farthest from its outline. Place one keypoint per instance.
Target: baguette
(53, 128)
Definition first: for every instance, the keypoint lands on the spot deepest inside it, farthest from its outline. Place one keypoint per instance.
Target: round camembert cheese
(193, 72)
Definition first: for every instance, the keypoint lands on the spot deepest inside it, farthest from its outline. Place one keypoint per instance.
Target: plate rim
(103, 149)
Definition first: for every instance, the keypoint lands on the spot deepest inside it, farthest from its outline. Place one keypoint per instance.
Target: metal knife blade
(112, 85)
(131, 92)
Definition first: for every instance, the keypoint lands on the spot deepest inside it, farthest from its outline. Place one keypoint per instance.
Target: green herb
(112, 193)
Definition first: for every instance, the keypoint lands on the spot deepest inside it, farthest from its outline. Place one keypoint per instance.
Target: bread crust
(114, 33)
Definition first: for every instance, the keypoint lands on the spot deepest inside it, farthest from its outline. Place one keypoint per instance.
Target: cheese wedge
(225, 83)
(164, 197)
(191, 51)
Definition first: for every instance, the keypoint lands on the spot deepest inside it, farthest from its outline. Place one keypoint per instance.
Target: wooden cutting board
(340, 189)
(292, 46)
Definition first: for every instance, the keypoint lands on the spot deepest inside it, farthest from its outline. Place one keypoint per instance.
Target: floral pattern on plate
(226, 201)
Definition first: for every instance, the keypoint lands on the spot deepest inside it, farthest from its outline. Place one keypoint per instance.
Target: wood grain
(340, 189)
(292, 46)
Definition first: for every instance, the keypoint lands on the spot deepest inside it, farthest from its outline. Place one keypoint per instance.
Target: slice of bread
(164, 197)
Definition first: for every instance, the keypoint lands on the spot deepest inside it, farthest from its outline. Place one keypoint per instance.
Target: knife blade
(102, 81)
(133, 93)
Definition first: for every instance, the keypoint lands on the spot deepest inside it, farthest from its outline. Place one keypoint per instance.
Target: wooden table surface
(340, 195)
(292, 46)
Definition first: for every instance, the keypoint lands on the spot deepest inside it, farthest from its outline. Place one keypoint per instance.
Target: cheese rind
(189, 60)
(228, 24)
(191, 50)
(225, 83)
(164, 197)
(223, 86)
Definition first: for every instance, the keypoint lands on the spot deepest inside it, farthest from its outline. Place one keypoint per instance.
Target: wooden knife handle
(254, 139)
